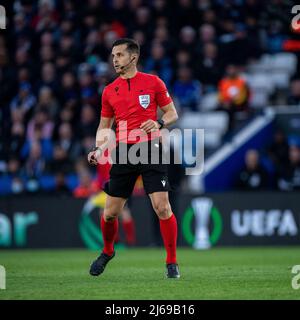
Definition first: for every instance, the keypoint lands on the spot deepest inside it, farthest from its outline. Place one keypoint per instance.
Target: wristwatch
(161, 123)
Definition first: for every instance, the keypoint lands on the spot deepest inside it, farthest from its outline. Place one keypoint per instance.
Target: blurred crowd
(275, 168)
(55, 62)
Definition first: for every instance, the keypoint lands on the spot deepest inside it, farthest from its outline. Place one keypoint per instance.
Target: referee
(132, 100)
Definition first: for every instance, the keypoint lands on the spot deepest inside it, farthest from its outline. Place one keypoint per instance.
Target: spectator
(207, 34)
(88, 89)
(87, 143)
(93, 43)
(233, 93)
(186, 14)
(140, 37)
(294, 95)
(88, 121)
(279, 150)
(25, 100)
(289, 176)
(67, 141)
(47, 54)
(17, 138)
(67, 46)
(187, 40)
(69, 96)
(209, 67)
(47, 102)
(187, 90)
(160, 8)
(14, 171)
(21, 27)
(162, 36)
(253, 176)
(158, 63)
(24, 75)
(63, 63)
(47, 39)
(67, 114)
(47, 17)
(42, 121)
(37, 138)
(183, 59)
(34, 167)
(22, 59)
(48, 78)
(69, 90)
(143, 22)
(274, 37)
(61, 187)
(86, 187)
(119, 10)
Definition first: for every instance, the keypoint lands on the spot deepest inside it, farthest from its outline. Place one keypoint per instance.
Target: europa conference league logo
(202, 210)
(90, 232)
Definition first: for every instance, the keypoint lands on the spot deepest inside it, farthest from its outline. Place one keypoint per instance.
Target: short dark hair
(132, 45)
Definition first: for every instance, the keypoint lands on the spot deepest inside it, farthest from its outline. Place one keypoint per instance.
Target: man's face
(232, 71)
(120, 57)
(252, 159)
(294, 154)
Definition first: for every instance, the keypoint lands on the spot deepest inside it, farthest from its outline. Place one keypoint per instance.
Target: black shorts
(124, 175)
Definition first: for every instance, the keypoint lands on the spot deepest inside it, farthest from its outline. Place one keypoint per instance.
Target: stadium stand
(55, 62)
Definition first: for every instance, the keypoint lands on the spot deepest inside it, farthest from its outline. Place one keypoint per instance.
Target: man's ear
(135, 58)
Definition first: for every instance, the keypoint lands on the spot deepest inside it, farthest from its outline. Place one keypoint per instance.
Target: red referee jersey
(132, 102)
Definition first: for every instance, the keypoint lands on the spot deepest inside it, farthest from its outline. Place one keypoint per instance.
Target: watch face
(161, 123)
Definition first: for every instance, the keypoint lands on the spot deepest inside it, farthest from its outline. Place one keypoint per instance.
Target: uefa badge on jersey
(144, 100)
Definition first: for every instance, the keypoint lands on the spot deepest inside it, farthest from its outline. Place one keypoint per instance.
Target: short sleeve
(162, 95)
(107, 109)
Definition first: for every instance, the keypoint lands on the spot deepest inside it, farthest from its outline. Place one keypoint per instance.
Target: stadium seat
(285, 61)
(280, 79)
(261, 87)
(214, 124)
(209, 102)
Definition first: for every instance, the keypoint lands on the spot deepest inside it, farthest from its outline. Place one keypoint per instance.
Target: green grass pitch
(219, 273)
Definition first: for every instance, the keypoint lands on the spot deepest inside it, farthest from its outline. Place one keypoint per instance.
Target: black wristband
(161, 123)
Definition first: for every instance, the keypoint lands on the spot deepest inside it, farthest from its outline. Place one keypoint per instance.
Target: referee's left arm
(165, 103)
(170, 115)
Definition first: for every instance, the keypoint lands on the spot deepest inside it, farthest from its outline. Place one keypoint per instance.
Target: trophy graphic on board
(202, 208)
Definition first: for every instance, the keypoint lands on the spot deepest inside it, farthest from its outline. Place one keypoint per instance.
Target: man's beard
(119, 71)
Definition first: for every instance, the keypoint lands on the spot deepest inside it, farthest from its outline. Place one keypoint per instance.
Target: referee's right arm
(102, 139)
(106, 121)
(103, 131)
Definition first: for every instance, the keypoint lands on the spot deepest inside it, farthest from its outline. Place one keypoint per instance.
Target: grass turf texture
(219, 273)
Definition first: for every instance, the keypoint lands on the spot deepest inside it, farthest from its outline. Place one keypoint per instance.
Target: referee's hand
(93, 156)
(149, 126)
